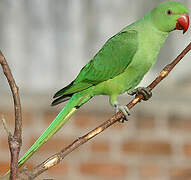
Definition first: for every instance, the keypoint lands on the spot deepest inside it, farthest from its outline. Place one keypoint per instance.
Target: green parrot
(119, 66)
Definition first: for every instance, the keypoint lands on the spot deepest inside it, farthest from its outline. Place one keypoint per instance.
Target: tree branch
(56, 158)
(14, 140)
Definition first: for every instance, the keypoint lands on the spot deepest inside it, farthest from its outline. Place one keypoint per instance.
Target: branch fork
(15, 140)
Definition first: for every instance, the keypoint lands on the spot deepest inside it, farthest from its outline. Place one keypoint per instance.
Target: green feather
(118, 67)
(109, 62)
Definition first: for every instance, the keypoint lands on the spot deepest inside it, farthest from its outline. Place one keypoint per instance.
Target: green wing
(110, 61)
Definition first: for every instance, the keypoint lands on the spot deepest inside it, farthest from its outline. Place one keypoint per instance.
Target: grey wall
(47, 42)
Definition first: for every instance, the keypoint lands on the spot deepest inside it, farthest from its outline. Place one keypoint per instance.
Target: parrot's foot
(124, 109)
(147, 94)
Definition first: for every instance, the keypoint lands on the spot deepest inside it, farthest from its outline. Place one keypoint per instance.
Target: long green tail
(65, 114)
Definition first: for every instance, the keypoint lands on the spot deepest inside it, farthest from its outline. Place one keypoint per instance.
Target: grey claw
(132, 92)
(124, 109)
(147, 94)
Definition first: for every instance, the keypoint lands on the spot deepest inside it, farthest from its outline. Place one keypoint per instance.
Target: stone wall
(154, 144)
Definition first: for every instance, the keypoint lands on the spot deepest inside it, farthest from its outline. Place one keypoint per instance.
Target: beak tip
(183, 23)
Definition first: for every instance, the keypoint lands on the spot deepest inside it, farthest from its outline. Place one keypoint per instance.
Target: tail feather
(58, 122)
(65, 114)
(61, 91)
(60, 100)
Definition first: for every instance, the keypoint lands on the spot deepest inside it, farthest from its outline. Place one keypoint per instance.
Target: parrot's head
(170, 15)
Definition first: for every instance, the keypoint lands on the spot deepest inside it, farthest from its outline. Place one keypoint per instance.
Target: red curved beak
(183, 23)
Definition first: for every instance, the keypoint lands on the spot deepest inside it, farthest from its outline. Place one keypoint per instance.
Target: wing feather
(114, 57)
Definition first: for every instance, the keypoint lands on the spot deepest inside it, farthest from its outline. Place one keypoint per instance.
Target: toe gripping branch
(145, 91)
(124, 109)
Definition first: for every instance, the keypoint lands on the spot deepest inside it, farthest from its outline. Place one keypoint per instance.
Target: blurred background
(46, 43)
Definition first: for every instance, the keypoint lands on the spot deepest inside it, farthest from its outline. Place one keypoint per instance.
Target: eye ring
(169, 12)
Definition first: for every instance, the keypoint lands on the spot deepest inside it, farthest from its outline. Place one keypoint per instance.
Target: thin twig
(14, 140)
(5, 126)
(56, 158)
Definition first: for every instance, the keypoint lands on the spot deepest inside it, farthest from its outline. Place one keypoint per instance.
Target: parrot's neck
(152, 25)
(149, 32)
(150, 42)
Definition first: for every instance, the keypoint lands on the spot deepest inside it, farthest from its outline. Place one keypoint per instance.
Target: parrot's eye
(169, 12)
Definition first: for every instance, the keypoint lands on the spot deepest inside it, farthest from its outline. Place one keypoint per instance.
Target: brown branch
(56, 158)
(14, 140)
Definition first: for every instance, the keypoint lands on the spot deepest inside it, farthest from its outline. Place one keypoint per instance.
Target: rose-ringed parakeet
(119, 66)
